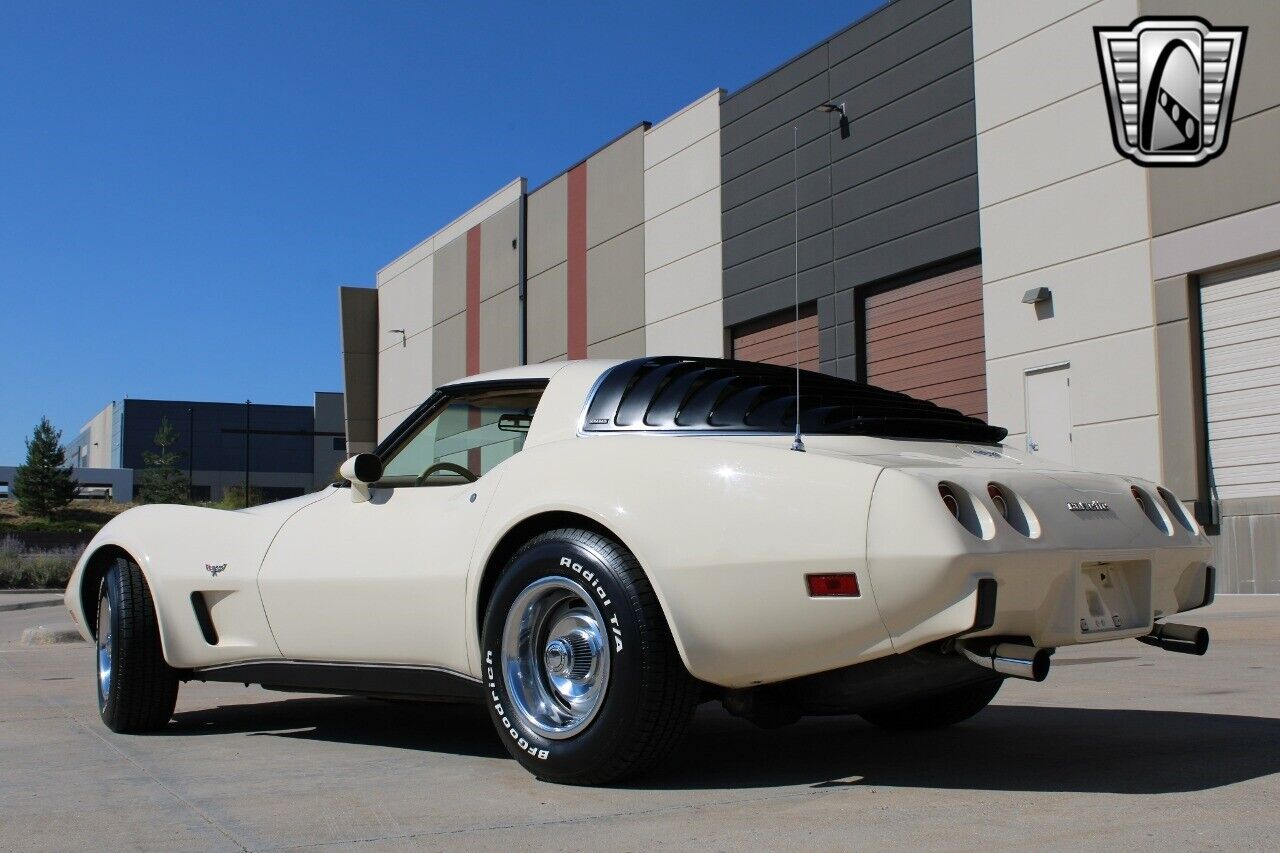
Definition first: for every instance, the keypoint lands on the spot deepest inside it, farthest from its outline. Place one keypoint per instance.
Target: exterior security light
(831, 108)
(404, 341)
(1036, 295)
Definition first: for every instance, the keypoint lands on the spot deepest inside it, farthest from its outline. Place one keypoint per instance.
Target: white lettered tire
(583, 681)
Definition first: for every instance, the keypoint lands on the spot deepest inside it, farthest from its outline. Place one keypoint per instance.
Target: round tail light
(949, 499)
(999, 500)
(1140, 498)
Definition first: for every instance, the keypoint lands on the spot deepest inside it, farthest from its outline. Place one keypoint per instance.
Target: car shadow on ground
(1005, 748)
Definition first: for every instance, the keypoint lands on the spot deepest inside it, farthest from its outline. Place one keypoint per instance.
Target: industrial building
(967, 232)
(284, 451)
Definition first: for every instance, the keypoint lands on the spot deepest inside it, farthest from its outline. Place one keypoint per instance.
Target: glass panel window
(464, 440)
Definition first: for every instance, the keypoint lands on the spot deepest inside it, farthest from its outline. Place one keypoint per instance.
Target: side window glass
(464, 440)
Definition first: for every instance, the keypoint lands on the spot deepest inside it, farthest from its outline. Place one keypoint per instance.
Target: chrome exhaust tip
(1010, 659)
(1184, 639)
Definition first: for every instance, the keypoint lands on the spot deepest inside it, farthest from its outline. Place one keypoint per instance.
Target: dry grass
(21, 569)
(81, 516)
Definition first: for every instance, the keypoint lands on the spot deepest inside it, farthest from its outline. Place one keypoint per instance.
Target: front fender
(184, 550)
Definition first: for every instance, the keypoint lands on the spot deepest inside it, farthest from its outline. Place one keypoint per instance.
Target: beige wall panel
(698, 332)
(615, 188)
(416, 255)
(548, 321)
(1217, 243)
(683, 285)
(629, 345)
(682, 176)
(449, 292)
(405, 374)
(679, 233)
(449, 352)
(1180, 447)
(548, 226)
(997, 23)
(1112, 378)
(361, 391)
(1046, 66)
(1261, 70)
(405, 303)
(1011, 158)
(1102, 294)
(500, 330)
(680, 130)
(1118, 447)
(615, 286)
(1065, 221)
(499, 257)
(1246, 176)
(388, 423)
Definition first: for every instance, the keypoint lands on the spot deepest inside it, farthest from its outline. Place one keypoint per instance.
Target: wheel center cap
(558, 657)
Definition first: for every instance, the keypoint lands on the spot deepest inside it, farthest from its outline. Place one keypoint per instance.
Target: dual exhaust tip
(1031, 663)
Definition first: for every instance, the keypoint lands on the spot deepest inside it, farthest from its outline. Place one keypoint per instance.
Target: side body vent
(203, 618)
(673, 393)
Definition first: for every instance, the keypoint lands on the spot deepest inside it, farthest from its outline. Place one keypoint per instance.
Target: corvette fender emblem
(1088, 506)
(215, 570)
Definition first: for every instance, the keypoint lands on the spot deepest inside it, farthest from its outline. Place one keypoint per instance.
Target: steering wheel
(452, 468)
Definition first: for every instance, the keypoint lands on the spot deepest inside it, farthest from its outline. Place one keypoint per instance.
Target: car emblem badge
(1088, 506)
(1170, 85)
(215, 570)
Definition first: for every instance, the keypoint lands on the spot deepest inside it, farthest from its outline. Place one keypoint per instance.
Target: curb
(30, 605)
(48, 635)
(20, 591)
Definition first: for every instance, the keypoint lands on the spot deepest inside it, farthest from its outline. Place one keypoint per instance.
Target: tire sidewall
(595, 569)
(111, 587)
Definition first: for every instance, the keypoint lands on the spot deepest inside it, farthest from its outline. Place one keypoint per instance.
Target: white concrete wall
(1059, 208)
(682, 267)
(406, 290)
(99, 429)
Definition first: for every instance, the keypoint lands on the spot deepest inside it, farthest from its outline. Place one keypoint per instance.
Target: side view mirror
(361, 470)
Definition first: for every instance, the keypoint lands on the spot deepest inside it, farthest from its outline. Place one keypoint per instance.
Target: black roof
(674, 393)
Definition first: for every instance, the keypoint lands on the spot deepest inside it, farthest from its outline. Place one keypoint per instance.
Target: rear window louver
(672, 393)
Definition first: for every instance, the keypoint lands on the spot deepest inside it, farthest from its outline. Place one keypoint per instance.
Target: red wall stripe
(577, 272)
(473, 300)
(473, 332)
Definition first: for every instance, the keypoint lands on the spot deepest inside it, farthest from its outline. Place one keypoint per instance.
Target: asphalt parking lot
(1123, 746)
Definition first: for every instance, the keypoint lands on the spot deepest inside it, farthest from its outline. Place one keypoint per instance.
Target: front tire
(584, 682)
(137, 690)
(937, 710)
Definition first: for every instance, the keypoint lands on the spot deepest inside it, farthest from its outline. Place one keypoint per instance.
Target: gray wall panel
(900, 187)
(911, 180)
(879, 25)
(910, 146)
(773, 84)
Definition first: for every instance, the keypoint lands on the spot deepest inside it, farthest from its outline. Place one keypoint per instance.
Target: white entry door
(1048, 396)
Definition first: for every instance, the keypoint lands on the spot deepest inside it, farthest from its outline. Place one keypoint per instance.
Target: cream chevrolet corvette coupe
(592, 548)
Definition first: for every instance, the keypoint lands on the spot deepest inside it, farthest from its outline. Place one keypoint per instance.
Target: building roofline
(630, 130)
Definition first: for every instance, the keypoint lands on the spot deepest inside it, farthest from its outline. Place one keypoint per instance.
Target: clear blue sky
(183, 186)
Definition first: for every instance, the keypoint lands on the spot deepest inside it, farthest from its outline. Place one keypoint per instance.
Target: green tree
(43, 484)
(162, 481)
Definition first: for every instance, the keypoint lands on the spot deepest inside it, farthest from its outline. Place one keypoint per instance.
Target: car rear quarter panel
(726, 532)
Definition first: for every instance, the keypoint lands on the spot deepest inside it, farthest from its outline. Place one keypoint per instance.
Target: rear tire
(137, 690)
(936, 710)
(583, 680)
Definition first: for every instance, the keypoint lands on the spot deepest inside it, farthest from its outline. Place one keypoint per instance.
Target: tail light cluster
(1165, 512)
(974, 516)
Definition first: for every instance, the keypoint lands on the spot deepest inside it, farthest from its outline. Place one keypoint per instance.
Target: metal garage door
(1240, 318)
(773, 340)
(925, 339)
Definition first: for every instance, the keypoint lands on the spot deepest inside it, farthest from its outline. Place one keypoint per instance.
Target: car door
(384, 581)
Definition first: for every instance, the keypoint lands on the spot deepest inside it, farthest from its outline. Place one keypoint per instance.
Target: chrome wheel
(104, 648)
(555, 656)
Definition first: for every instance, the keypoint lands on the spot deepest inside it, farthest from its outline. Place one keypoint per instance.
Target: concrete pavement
(1123, 746)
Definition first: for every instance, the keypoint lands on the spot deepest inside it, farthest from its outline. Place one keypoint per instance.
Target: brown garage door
(925, 339)
(772, 340)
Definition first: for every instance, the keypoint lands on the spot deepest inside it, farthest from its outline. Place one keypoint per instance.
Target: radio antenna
(798, 444)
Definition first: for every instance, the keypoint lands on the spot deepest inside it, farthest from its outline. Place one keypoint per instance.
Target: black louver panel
(718, 395)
